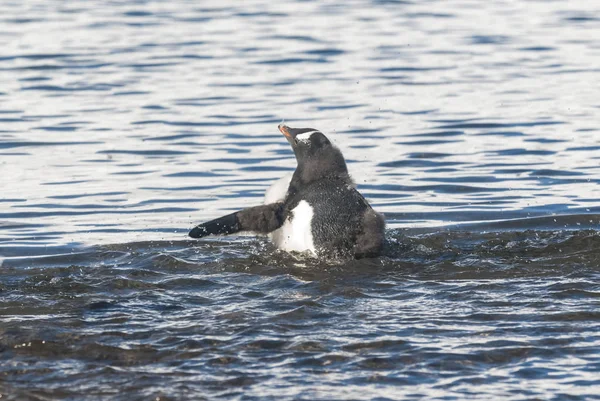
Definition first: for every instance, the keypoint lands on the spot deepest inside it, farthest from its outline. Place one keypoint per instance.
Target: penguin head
(317, 157)
(306, 142)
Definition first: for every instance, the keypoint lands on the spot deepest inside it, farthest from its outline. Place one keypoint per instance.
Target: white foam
(296, 233)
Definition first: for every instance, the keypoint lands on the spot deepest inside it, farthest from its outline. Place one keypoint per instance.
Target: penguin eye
(304, 137)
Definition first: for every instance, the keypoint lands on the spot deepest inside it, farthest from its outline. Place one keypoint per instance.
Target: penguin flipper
(222, 226)
(260, 219)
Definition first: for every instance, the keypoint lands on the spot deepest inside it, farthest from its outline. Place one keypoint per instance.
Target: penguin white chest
(296, 233)
(277, 191)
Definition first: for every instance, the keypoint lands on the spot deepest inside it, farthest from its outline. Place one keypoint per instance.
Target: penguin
(316, 210)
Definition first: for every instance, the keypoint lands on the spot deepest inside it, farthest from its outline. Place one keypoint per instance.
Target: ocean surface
(472, 125)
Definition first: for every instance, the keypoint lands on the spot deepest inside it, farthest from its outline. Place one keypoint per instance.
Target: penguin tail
(260, 219)
(369, 242)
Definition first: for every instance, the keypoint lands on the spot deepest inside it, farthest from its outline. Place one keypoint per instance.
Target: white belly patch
(277, 191)
(296, 233)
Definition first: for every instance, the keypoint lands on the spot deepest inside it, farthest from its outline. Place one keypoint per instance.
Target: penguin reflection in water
(316, 210)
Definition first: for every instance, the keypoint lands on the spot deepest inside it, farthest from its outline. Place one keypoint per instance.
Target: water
(472, 125)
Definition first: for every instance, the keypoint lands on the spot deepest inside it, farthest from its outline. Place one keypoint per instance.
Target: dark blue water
(473, 126)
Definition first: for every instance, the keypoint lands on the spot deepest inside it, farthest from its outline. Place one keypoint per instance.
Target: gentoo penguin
(316, 210)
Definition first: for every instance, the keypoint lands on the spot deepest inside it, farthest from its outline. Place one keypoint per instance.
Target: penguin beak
(285, 130)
